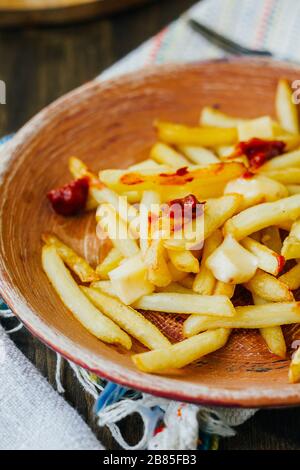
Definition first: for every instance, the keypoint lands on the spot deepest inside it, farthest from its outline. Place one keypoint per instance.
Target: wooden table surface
(41, 64)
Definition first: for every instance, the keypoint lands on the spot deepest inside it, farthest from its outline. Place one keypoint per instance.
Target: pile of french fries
(248, 226)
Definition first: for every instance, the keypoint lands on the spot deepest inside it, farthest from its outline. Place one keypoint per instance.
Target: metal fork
(225, 43)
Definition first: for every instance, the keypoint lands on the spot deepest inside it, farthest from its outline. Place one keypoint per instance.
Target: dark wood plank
(41, 64)
(267, 430)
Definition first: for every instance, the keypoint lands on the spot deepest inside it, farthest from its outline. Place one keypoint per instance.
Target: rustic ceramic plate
(23, 12)
(110, 125)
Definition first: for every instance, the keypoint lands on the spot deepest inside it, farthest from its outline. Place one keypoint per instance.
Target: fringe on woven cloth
(168, 425)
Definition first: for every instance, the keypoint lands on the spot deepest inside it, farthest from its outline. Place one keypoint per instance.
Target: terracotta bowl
(110, 125)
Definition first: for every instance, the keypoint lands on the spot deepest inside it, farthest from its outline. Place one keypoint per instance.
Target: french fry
(113, 178)
(285, 175)
(91, 203)
(181, 354)
(269, 288)
(144, 165)
(187, 304)
(166, 155)
(292, 141)
(287, 160)
(274, 339)
(277, 129)
(79, 169)
(179, 134)
(133, 197)
(128, 319)
(250, 316)
(204, 282)
(130, 280)
(156, 262)
(175, 287)
(110, 262)
(126, 211)
(150, 205)
(117, 230)
(272, 335)
(263, 215)
(286, 110)
(199, 155)
(255, 190)
(225, 151)
(105, 286)
(223, 288)
(184, 261)
(195, 181)
(286, 225)
(294, 369)
(214, 118)
(149, 208)
(120, 203)
(151, 200)
(293, 189)
(231, 262)
(175, 274)
(74, 299)
(75, 262)
(268, 260)
(201, 192)
(185, 238)
(292, 277)
(216, 212)
(291, 245)
(261, 127)
(270, 236)
(187, 281)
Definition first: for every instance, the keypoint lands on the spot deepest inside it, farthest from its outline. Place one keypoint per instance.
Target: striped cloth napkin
(272, 25)
(263, 24)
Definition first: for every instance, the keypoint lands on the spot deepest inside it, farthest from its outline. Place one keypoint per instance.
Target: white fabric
(32, 415)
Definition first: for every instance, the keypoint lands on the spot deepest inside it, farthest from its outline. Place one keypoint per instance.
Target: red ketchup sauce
(70, 199)
(188, 203)
(182, 210)
(180, 172)
(258, 151)
(281, 263)
(248, 174)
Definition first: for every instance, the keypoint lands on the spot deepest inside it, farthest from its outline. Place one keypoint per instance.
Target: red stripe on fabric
(263, 23)
(157, 41)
